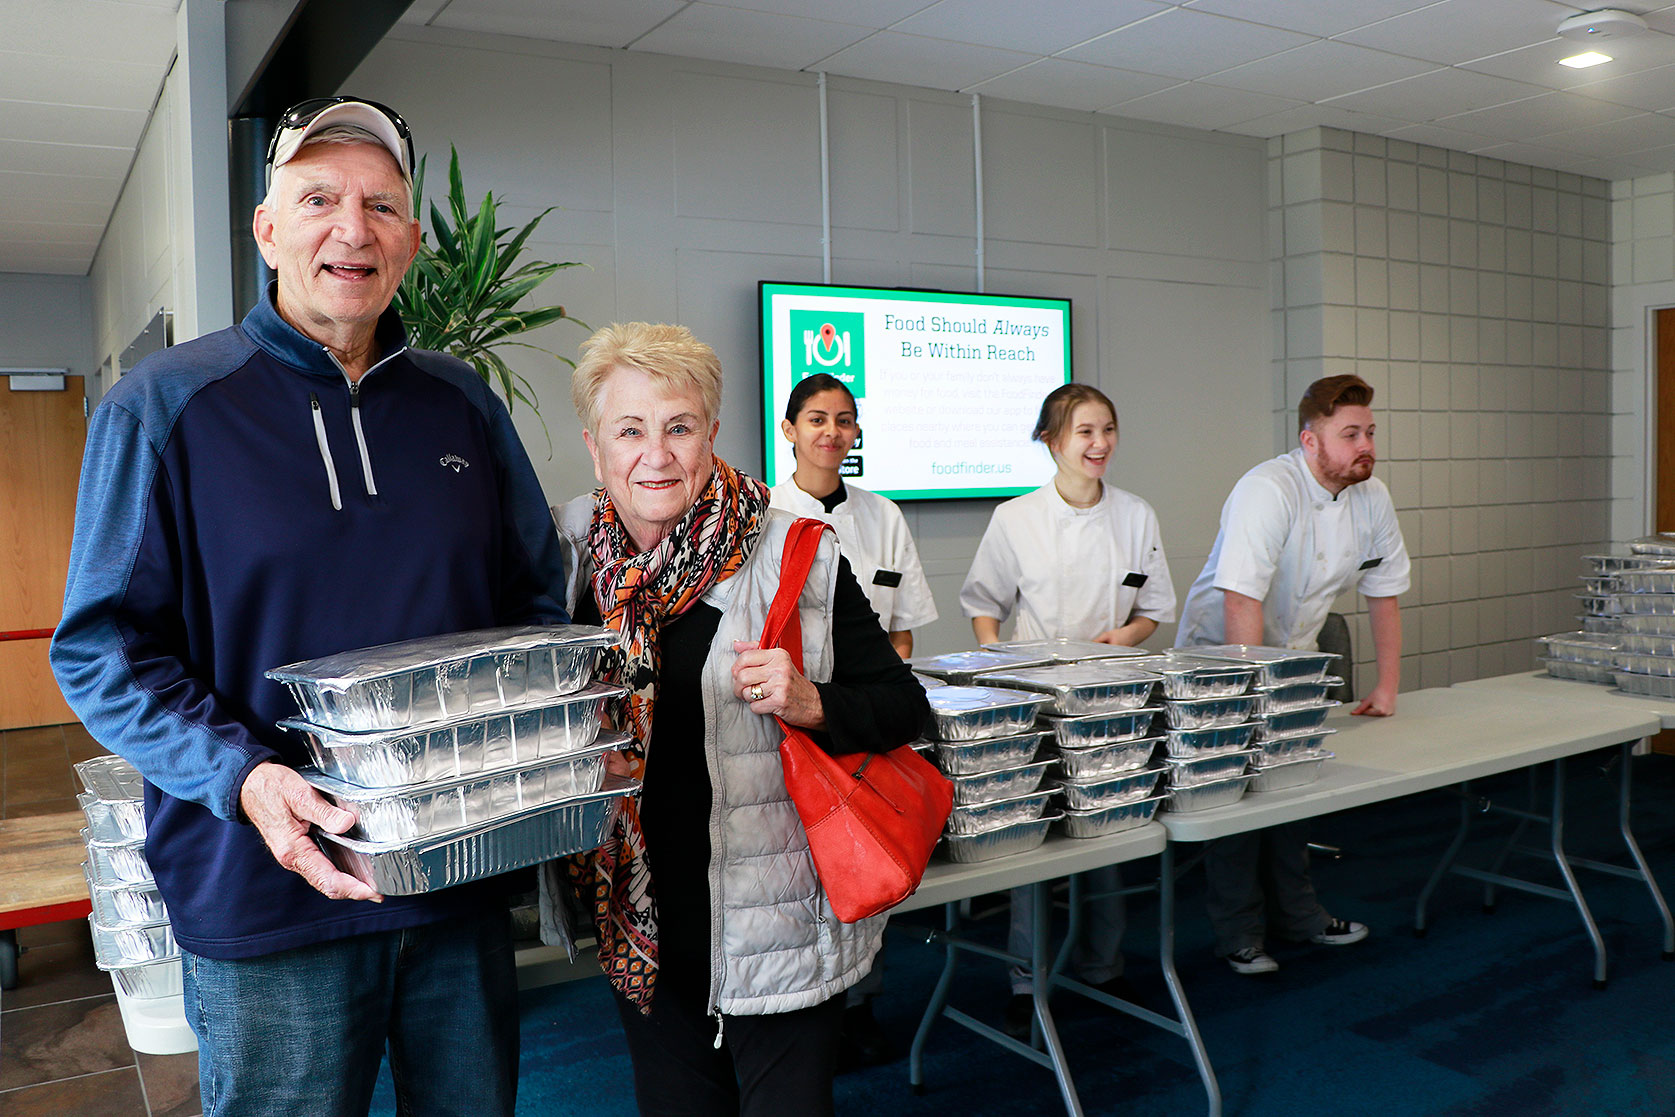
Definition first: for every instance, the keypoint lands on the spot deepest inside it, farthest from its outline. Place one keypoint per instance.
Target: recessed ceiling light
(1587, 58)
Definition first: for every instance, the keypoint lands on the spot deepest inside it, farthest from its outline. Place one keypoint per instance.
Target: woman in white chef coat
(821, 425)
(1080, 559)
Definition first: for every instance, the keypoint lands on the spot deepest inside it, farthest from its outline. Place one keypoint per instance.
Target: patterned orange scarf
(637, 594)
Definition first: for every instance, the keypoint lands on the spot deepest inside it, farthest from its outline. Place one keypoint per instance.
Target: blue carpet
(1489, 1015)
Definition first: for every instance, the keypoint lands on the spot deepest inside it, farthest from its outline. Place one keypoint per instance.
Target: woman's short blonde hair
(670, 355)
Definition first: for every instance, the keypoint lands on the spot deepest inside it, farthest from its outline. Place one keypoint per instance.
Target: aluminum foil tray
(1189, 744)
(1087, 730)
(968, 758)
(1614, 624)
(1660, 624)
(111, 778)
(438, 678)
(1019, 837)
(400, 814)
(1187, 676)
(1662, 545)
(1107, 791)
(1635, 604)
(1642, 664)
(1291, 773)
(1061, 650)
(1107, 760)
(1092, 686)
(1208, 713)
(460, 856)
(1109, 820)
(1611, 564)
(1277, 750)
(1579, 647)
(1002, 783)
(1294, 721)
(1274, 665)
(116, 862)
(1602, 604)
(1660, 686)
(928, 681)
(150, 981)
(1286, 697)
(960, 668)
(478, 743)
(1580, 672)
(1600, 583)
(978, 817)
(112, 821)
(973, 713)
(119, 947)
(1208, 769)
(124, 905)
(1642, 643)
(1208, 796)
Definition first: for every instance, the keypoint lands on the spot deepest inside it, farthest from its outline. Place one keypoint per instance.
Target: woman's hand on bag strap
(768, 682)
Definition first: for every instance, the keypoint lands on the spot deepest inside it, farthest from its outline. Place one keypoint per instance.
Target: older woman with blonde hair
(725, 957)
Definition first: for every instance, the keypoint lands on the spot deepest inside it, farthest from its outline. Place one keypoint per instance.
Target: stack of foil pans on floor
(464, 755)
(129, 923)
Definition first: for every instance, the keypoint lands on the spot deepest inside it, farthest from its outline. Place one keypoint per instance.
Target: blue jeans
(303, 1032)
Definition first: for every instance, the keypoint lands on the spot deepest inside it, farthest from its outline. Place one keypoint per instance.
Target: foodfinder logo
(831, 342)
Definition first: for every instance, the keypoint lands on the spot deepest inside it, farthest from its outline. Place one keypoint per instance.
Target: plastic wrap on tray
(1107, 791)
(1290, 773)
(399, 814)
(928, 681)
(1003, 841)
(1277, 750)
(1107, 760)
(1102, 822)
(1092, 686)
(1002, 783)
(1658, 686)
(960, 668)
(1087, 730)
(476, 743)
(119, 947)
(972, 713)
(1642, 664)
(1580, 647)
(1208, 713)
(1188, 744)
(1207, 796)
(1285, 697)
(968, 758)
(438, 678)
(1580, 672)
(124, 905)
(1062, 650)
(112, 821)
(1293, 721)
(151, 981)
(445, 860)
(977, 817)
(1205, 769)
(1274, 665)
(120, 862)
(1187, 676)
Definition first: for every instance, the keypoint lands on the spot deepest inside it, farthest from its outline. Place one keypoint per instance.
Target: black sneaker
(1252, 960)
(1340, 932)
(1018, 1016)
(861, 1041)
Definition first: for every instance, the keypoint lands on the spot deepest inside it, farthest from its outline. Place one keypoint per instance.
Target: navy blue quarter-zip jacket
(244, 506)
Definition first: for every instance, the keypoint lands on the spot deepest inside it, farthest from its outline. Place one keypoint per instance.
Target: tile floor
(62, 1047)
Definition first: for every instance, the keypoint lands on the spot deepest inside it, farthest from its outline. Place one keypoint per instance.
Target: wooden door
(41, 439)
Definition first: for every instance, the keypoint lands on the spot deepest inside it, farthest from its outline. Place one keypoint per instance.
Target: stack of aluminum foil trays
(464, 755)
(129, 923)
(962, 668)
(986, 742)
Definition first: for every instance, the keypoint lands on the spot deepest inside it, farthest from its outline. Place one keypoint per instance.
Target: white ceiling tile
(1041, 28)
(43, 232)
(1436, 136)
(1655, 163)
(752, 38)
(1196, 105)
(29, 157)
(1534, 155)
(1540, 63)
(43, 261)
(89, 30)
(615, 24)
(31, 188)
(1312, 17)
(1185, 44)
(1619, 137)
(71, 81)
(1459, 30)
(32, 120)
(1437, 93)
(1653, 90)
(1536, 116)
(1315, 116)
(1071, 85)
(52, 210)
(915, 60)
(867, 13)
(421, 12)
(1321, 69)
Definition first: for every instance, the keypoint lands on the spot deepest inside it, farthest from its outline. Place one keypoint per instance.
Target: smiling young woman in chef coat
(820, 423)
(1080, 559)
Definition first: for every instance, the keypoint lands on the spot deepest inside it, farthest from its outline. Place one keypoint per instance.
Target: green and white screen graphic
(948, 385)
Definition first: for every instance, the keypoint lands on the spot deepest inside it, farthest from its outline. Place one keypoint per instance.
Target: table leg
(1556, 829)
(1624, 787)
(939, 998)
(1511, 843)
(8, 959)
(1166, 957)
(1446, 863)
(1041, 981)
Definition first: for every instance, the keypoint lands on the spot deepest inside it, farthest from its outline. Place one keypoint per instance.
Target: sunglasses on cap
(303, 113)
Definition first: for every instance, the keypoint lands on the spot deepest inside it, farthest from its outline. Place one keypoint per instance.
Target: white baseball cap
(306, 119)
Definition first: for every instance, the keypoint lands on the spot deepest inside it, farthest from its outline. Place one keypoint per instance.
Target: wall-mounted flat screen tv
(948, 384)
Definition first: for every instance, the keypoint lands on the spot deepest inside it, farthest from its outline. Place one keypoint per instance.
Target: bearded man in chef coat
(1297, 531)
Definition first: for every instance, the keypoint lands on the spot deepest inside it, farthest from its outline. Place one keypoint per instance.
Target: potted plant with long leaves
(461, 295)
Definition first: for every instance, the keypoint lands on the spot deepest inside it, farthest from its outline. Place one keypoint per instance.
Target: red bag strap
(800, 547)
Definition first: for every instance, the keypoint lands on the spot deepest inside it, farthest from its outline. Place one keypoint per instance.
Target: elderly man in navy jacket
(302, 484)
